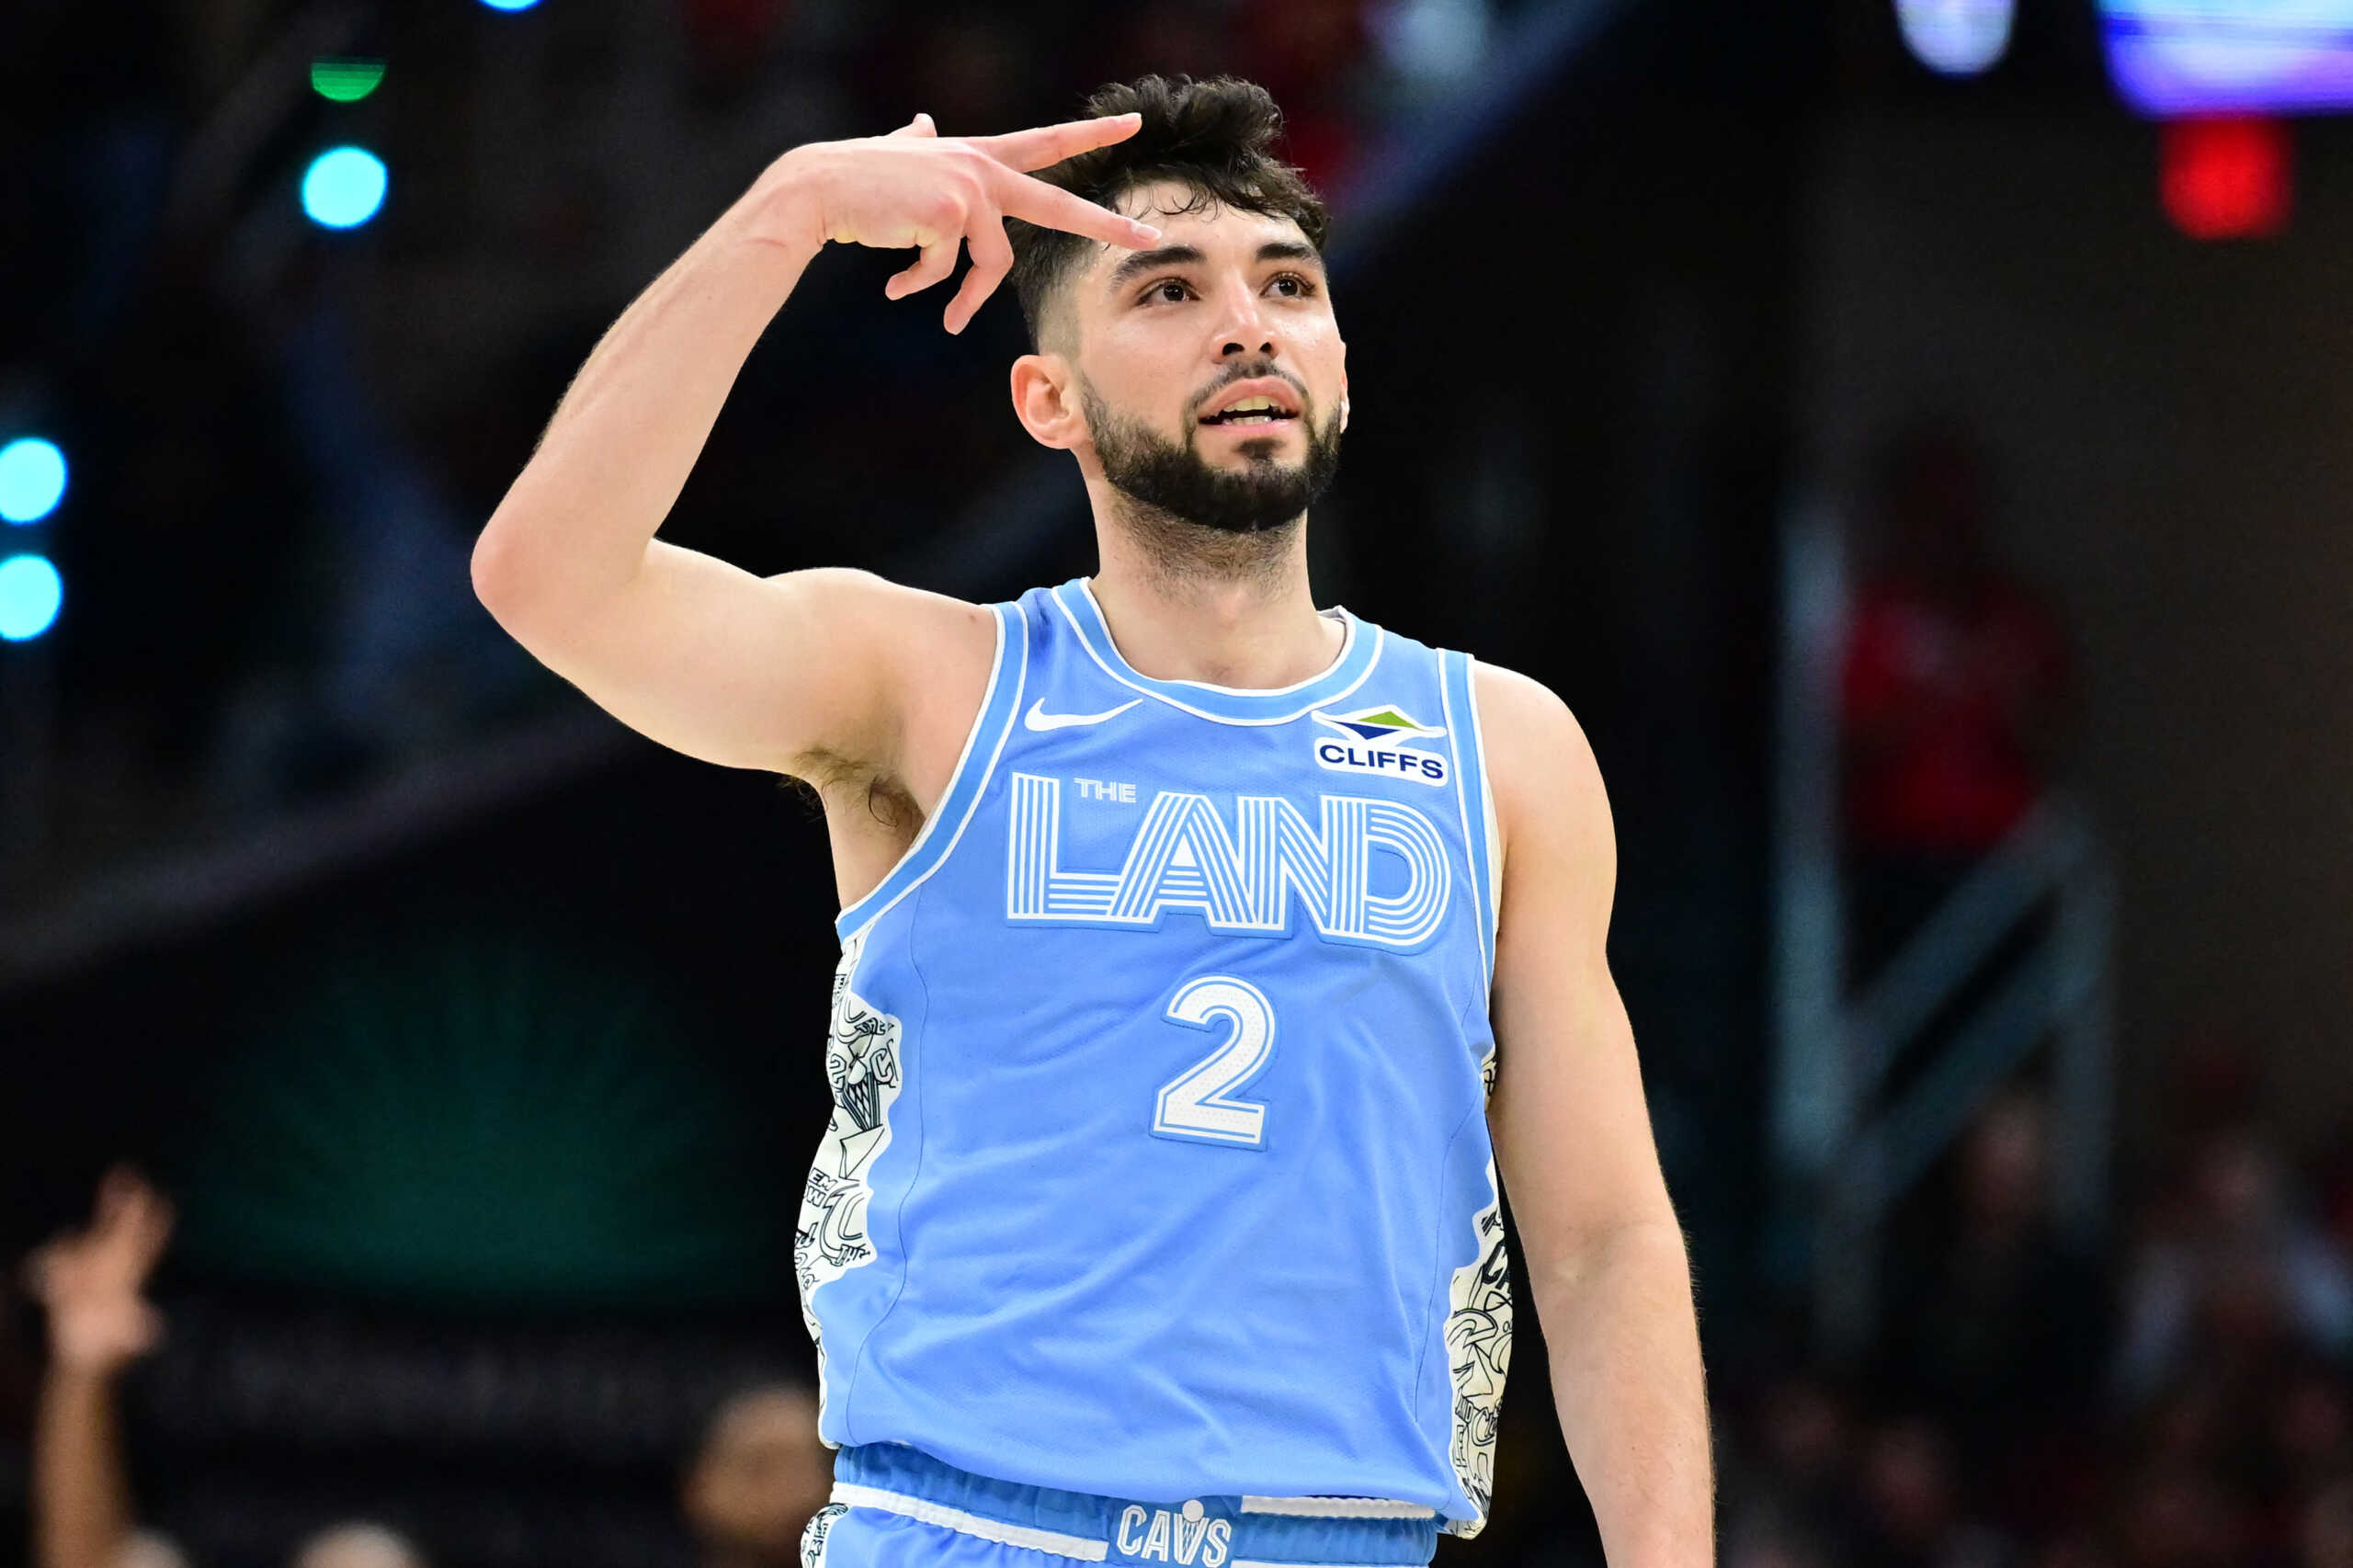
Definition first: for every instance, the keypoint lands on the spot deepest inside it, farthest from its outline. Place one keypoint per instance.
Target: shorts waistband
(1211, 1531)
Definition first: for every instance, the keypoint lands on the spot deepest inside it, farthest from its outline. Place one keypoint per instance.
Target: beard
(1169, 484)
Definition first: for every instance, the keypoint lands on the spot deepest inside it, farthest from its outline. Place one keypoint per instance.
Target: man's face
(1210, 371)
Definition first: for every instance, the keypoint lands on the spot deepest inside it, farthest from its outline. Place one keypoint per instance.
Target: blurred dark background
(1924, 474)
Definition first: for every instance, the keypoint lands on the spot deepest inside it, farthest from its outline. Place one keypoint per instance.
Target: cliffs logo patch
(1380, 741)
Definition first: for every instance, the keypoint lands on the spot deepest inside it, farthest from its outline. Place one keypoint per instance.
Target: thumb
(920, 125)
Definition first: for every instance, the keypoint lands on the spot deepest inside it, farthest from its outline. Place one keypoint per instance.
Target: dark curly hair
(1213, 136)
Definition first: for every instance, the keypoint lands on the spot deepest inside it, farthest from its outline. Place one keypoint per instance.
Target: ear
(1045, 399)
(1344, 400)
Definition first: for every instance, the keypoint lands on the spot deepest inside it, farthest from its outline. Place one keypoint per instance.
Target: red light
(2226, 178)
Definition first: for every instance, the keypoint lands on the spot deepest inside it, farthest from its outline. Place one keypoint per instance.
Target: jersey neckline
(1359, 648)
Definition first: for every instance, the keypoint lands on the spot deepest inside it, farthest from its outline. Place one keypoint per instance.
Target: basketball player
(1180, 920)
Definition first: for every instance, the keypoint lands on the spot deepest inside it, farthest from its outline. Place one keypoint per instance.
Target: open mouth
(1251, 411)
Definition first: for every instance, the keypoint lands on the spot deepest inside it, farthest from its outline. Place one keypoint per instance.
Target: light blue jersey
(1159, 1161)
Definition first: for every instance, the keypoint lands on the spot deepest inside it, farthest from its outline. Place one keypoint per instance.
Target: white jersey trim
(1325, 700)
(1494, 848)
(1000, 704)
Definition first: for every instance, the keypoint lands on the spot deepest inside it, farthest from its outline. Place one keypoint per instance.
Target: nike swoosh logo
(1038, 719)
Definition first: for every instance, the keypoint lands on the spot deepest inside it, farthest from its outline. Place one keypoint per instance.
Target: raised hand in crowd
(93, 1282)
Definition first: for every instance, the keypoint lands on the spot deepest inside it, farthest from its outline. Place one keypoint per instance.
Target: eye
(1168, 290)
(1298, 287)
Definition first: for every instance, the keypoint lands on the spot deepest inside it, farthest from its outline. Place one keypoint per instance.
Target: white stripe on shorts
(932, 1513)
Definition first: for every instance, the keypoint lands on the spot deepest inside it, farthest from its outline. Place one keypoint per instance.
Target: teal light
(30, 592)
(32, 479)
(343, 188)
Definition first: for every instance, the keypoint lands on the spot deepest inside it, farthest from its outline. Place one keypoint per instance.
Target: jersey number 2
(1199, 1102)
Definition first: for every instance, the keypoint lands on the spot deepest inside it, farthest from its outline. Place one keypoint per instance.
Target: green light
(345, 79)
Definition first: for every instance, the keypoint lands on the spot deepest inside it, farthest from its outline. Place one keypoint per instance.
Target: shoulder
(852, 595)
(1547, 782)
(1533, 743)
(915, 635)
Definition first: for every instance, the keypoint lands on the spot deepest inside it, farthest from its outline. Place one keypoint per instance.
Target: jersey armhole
(983, 743)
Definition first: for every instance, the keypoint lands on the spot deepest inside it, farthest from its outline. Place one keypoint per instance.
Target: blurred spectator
(1994, 1321)
(761, 1473)
(1914, 1515)
(92, 1282)
(1954, 686)
(1794, 1509)
(2230, 1275)
(2014, 1418)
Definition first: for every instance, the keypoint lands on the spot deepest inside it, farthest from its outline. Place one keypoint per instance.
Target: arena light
(32, 479)
(2174, 57)
(345, 79)
(30, 592)
(343, 188)
(1956, 37)
(1431, 40)
(510, 4)
(2226, 178)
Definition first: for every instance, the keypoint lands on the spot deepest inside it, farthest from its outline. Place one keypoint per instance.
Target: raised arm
(713, 661)
(99, 1323)
(1604, 1251)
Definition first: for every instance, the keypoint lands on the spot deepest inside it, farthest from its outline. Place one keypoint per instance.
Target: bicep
(1571, 1127)
(747, 671)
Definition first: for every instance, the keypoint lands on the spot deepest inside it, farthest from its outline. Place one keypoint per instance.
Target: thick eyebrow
(1290, 250)
(1144, 261)
(1141, 262)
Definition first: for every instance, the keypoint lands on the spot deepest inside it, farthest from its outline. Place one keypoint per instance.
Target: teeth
(1250, 411)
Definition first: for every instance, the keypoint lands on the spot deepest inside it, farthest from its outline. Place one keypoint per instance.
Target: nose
(1245, 329)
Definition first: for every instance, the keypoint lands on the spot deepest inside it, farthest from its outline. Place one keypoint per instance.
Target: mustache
(1250, 371)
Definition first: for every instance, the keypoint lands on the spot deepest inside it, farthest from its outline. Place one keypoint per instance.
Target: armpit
(826, 777)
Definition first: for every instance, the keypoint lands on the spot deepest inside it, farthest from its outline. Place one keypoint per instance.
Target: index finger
(1051, 206)
(1053, 144)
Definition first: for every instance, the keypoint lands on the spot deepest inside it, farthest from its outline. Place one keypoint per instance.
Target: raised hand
(917, 188)
(91, 1280)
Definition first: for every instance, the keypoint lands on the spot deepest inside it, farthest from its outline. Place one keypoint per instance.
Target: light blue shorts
(895, 1507)
(846, 1536)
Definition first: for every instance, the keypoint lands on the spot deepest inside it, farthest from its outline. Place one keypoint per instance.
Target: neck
(1185, 602)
